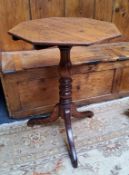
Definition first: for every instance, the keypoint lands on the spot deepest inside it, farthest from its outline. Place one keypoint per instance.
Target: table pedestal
(65, 108)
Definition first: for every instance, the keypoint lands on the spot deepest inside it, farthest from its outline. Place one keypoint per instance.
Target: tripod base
(65, 108)
(65, 113)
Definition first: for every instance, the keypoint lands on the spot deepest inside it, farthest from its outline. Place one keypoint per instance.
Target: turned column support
(65, 108)
(65, 92)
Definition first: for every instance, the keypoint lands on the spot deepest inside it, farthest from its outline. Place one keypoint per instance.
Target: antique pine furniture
(64, 33)
(37, 70)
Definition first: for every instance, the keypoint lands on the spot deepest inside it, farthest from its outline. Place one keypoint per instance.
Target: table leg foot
(39, 121)
(71, 146)
(76, 114)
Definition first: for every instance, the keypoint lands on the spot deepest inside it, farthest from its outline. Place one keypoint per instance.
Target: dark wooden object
(64, 33)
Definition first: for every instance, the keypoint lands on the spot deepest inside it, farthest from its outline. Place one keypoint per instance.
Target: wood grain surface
(37, 70)
(103, 10)
(121, 15)
(80, 8)
(11, 13)
(24, 60)
(45, 8)
(65, 31)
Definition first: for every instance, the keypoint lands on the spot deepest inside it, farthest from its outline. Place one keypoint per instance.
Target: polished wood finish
(65, 107)
(65, 31)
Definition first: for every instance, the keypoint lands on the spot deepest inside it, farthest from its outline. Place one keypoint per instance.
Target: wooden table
(64, 33)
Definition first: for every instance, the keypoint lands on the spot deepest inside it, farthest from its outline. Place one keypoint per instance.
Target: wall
(13, 12)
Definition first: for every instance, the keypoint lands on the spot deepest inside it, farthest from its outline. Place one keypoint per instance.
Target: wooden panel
(103, 9)
(41, 93)
(88, 85)
(83, 8)
(33, 94)
(46, 8)
(121, 15)
(52, 72)
(124, 86)
(11, 13)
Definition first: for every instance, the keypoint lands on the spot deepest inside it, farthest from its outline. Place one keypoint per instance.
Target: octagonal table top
(65, 31)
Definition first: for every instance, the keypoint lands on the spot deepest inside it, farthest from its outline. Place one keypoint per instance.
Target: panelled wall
(13, 12)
